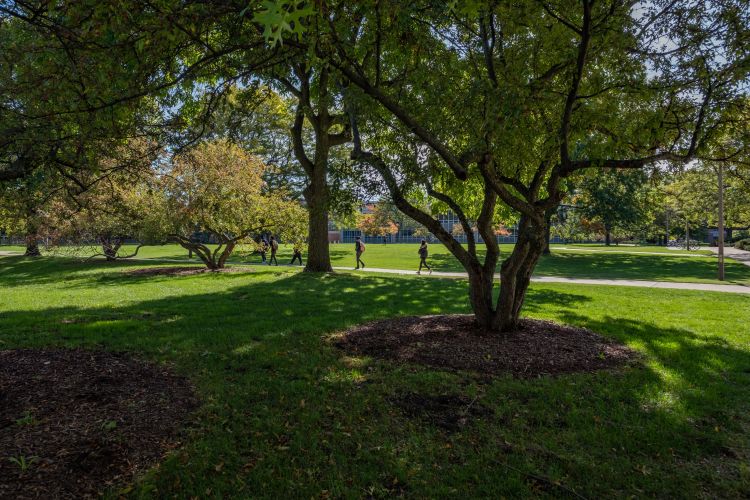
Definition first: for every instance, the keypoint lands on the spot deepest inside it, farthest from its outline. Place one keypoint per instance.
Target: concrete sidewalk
(706, 287)
(741, 256)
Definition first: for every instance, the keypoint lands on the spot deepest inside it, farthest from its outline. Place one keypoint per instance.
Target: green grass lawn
(631, 248)
(565, 261)
(286, 415)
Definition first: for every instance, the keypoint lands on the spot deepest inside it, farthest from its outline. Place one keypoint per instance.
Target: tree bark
(515, 274)
(547, 231)
(110, 247)
(316, 192)
(515, 277)
(607, 235)
(480, 296)
(316, 196)
(32, 246)
(203, 252)
(225, 255)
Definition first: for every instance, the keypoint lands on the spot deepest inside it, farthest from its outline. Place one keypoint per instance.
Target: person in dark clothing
(274, 246)
(385, 240)
(297, 254)
(359, 249)
(423, 257)
(262, 249)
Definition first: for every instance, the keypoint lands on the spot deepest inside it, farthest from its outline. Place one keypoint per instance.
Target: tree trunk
(110, 247)
(547, 231)
(32, 246)
(203, 252)
(515, 274)
(480, 297)
(316, 196)
(607, 235)
(225, 255)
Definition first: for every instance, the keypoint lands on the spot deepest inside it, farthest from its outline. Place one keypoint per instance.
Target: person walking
(297, 254)
(262, 249)
(359, 249)
(423, 257)
(274, 246)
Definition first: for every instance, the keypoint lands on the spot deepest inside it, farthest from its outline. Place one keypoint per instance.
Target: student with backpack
(262, 249)
(297, 254)
(423, 257)
(274, 245)
(359, 249)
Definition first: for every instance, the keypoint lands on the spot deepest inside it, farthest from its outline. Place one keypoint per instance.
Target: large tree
(73, 82)
(512, 100)
(313, 88)
(617, 199)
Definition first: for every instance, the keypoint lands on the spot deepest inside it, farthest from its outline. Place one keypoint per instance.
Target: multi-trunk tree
(507, 102)
(217, 189)
(480, 106)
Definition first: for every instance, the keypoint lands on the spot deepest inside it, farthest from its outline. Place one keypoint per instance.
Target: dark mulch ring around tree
(182, 271)
(456, 342)
(74, 423)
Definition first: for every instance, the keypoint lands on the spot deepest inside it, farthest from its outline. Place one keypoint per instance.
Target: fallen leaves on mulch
(456, 342)
(181, 271)
(74, 422)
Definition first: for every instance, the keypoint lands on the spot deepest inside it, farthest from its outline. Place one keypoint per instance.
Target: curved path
(742, 256)
(707, 287)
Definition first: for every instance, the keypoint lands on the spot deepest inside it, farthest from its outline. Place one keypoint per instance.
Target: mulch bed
(82, 421)
(456, 342)
(181, 271)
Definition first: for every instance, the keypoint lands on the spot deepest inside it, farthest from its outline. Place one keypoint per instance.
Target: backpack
(361, 247)
(275, 245)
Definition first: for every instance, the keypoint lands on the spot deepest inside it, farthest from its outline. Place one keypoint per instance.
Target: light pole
(721, 222)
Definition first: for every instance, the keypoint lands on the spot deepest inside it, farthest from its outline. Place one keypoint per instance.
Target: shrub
(743, 244)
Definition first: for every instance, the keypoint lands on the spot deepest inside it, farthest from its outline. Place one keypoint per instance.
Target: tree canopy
(487, 110)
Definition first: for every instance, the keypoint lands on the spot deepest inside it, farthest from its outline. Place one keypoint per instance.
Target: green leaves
(280, 16)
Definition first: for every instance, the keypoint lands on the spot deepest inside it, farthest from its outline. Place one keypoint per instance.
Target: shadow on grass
(634, 266)
(254, 349)
(600, 265)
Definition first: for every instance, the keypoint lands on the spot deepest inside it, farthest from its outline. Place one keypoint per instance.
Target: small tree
(102, 214)
(372, 225)
(421, 232)
(217, 188)
(23, 209)
(102, 219)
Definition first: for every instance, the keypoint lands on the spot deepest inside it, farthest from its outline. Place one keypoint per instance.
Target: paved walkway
(741, 256)
(707, 287)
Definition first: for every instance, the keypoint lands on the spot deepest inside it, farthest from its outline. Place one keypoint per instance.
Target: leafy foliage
(218, 189)
(616, 199)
